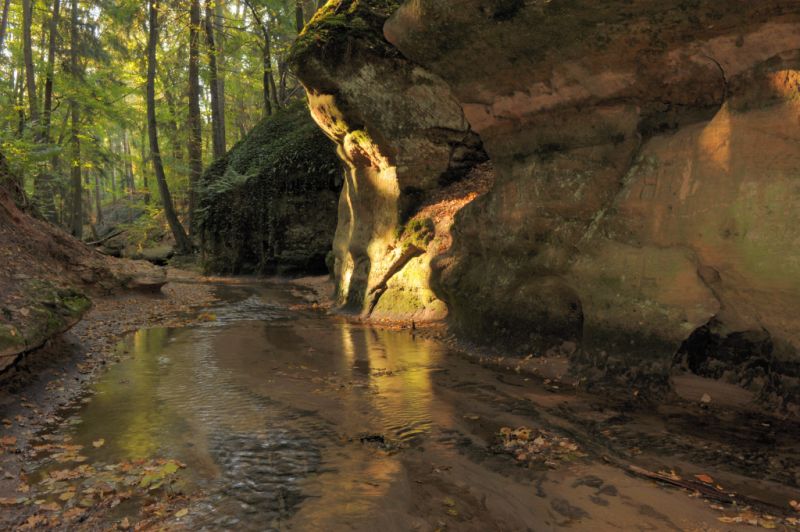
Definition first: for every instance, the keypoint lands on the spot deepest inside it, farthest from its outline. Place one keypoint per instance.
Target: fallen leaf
(72, 513)
(33, 522)
(8, 441)
(50, 507)
(182, 512)
(704, 478)
(10, 501)
(125, 523)
(98, 443)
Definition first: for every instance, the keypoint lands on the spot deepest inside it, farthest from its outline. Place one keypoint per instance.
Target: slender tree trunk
(126, 147)
(43, 191)
(219, 28)
(76, 220)
(195, 124)
(269, 90)
(282, 72)
(114, 184)
(27, 52)
(145, 161)
(299, 19)
(98, 198)
(217, 126)
(19, 94)
(4, 23)
(76, 180)
(182, 242)
(51, 58)
(172, 123)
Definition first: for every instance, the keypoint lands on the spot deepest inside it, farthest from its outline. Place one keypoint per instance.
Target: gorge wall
(402, 136)
(647, 174)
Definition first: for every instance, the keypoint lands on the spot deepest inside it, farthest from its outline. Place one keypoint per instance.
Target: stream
(288, 419)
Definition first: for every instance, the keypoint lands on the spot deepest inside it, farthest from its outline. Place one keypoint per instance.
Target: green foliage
(145, 231)
(109, 91)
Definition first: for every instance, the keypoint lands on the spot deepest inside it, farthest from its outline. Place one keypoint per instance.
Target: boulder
(269, 206)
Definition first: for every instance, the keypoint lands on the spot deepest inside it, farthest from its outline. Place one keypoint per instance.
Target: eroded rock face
(648, 166)
(401, 135)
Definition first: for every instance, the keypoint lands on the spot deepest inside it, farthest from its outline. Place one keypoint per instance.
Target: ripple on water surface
(259, 401)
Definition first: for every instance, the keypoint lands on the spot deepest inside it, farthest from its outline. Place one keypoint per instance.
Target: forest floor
(528, 448)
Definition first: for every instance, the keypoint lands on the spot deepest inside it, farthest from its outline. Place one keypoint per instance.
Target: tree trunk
(283, 69)
(113, 185)
(76, 220)
(143, 168)
(172, 123)
(217, 126)
(182, 242)
(19, 95)
(269, 90)
(299, 20)
(27, 53)
(51, 58)
(219, 29)
(126, 148)
(195, 124)
(4, 23)
(98, 199)
(43, 190)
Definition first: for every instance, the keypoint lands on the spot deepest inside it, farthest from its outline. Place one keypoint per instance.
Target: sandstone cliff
(644, 214)
(401, 135)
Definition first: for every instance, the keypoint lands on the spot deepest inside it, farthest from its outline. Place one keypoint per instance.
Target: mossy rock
(269, 205)
(45, 311)
(341, 25)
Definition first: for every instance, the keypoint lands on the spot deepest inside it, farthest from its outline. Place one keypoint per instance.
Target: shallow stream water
(288, 419)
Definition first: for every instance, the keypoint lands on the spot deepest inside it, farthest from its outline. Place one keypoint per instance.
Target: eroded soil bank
(259, 411)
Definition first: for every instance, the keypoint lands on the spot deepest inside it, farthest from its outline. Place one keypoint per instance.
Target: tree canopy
(73, 87)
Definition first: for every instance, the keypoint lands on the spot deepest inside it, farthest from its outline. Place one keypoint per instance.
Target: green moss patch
(42, 311)
(336, 28)
(417, 232)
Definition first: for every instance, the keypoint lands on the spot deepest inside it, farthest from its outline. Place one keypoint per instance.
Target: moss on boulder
(339, 25)
(269, 205)
(41, 311)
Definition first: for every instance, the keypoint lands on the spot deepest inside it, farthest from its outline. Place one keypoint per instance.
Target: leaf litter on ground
(532, 446)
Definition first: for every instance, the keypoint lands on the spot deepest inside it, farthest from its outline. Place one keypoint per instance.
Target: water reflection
(267, 408)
